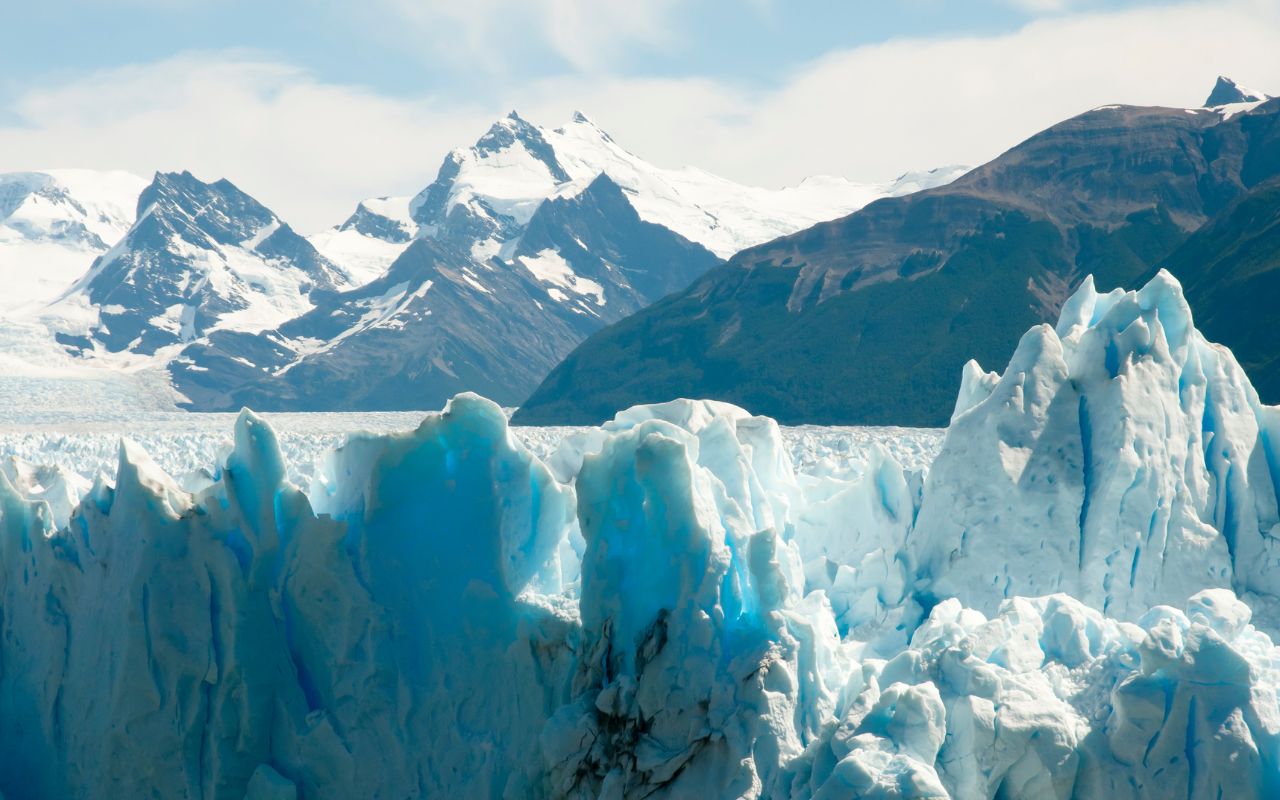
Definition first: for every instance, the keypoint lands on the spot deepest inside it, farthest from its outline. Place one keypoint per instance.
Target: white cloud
(308, 149)
(876, 111)
(312, 149)
(586, 34)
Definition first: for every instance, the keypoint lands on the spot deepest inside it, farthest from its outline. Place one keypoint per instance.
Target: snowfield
(688, 601)
(54, 224)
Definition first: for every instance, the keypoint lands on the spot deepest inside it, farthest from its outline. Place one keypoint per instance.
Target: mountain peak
(1227, 91)
(162, 178)
(507, 131)
(582, 126)
(219, 210)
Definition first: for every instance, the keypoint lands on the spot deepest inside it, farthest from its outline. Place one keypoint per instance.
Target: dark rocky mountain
(601, 238)
(1226, 92)
(366, 221)
(869, 319)
(200, 257)
(440, 321)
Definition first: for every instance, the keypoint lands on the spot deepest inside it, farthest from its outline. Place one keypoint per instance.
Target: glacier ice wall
(1120, 458)
(175, 644)
(664, 608)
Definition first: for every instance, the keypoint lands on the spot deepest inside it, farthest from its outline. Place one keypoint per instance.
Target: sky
(312, 105)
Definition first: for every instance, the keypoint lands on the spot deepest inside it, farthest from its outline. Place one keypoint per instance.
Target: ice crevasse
(1063, 607)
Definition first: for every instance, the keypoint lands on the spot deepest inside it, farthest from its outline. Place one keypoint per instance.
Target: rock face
(663, 610)
(893, 299)
(1227, 92)
(200, 257)
(439, 322)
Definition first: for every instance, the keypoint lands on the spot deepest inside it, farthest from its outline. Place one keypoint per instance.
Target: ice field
(189, 446)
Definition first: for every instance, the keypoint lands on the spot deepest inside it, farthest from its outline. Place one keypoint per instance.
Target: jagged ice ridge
(660, 608)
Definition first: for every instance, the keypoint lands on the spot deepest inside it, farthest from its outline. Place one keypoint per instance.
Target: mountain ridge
(541, 235)
(439, 322)
(200, 256)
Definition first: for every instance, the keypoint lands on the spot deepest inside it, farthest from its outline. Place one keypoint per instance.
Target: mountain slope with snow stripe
(895, 297)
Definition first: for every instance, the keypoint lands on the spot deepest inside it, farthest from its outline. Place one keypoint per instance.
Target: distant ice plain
(181, 442)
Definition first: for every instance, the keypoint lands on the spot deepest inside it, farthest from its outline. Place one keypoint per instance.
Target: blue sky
(382, 44)
(312, 105)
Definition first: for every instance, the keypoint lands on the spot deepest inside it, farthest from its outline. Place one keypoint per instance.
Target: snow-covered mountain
(1227, 92)
(495, 186)
(543, 235)
(200, 257)
(486, 193)
(441, 321)
(371, 239)
(53, 224)
(524, 244)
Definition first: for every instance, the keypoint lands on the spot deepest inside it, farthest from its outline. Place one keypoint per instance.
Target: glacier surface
(682, 602)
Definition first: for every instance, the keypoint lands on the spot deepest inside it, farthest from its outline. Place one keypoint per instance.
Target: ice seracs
(1120, 458)
(664, 608)
(443, 613)
(1048, 698)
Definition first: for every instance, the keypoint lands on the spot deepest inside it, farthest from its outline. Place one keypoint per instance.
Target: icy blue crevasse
(693, 658)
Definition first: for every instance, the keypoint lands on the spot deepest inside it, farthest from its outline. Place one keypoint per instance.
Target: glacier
(1074, 599)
